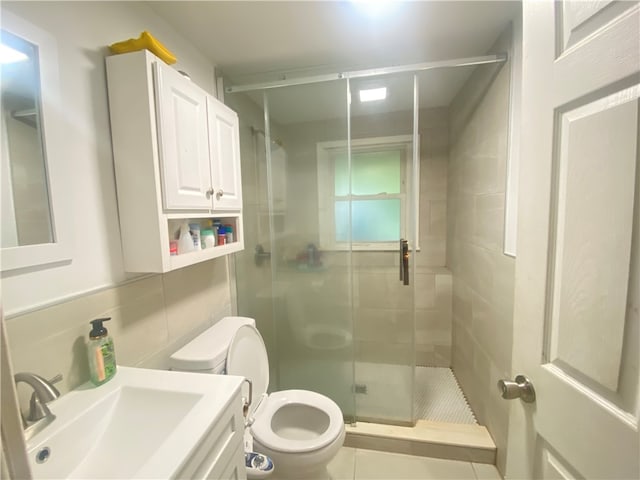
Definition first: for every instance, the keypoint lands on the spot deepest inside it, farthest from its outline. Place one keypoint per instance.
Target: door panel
(576, 301)
(577, 19)
(183, 141)
(550, 465)
(595, 171)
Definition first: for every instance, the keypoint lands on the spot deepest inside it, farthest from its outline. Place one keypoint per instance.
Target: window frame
(326, 153)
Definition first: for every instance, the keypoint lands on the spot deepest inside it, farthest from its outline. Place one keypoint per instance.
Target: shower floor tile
(438, 397)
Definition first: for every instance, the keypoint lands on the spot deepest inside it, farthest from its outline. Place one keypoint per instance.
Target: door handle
(401, 260)
(520, 388)
(404, 261)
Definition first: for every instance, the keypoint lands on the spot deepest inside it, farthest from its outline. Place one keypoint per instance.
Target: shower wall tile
(489, 224)
(425, 290)
(483, 277)
(433, 251)
(383, 325)
(192, 295)
(384, 353)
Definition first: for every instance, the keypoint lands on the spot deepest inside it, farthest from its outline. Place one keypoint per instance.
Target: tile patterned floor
(359, 464)
(438, 397)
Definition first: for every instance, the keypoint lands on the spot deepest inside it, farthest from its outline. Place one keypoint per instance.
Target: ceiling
(256, 41)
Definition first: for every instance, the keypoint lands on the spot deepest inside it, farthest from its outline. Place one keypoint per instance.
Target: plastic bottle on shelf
(185, 241)
(208, 238)
(195, 234)
(228, 233)
(222, 235)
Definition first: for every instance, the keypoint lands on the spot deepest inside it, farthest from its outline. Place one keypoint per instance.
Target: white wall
(83, 30)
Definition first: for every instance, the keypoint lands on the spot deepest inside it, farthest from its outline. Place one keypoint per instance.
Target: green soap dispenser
(102, 356)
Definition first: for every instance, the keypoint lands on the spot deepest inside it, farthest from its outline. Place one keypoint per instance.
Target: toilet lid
(247, 357)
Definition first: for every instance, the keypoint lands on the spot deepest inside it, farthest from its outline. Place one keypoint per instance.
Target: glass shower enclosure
(330, 200)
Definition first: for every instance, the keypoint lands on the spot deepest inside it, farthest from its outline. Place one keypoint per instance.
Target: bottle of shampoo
(102, 356)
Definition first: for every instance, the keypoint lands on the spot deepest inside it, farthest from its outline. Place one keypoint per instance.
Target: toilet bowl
(300, 430)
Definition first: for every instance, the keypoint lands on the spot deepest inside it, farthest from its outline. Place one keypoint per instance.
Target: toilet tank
(207, 353)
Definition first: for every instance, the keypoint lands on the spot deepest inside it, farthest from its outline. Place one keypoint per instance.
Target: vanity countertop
(141, 424)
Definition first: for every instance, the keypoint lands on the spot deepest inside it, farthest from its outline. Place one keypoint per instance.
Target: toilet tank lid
(208, 350)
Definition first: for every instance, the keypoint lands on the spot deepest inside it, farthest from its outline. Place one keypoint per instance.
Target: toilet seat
(290, 421)
(247, 357)
(263, 429)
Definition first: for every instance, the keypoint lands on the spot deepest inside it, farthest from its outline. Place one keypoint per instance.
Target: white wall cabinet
(177, 159)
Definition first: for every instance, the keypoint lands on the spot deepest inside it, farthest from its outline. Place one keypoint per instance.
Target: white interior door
(576, 320)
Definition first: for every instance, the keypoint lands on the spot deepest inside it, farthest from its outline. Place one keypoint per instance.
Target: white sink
(141, 424)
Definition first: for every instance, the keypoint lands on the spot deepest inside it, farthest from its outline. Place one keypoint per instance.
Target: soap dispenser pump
(102, 357)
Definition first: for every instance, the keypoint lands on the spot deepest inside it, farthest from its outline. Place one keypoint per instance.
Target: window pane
(371, 173)
(341, 175)
(372, 220)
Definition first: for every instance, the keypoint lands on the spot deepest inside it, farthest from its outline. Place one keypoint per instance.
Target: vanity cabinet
(220, 454)
(177, 160)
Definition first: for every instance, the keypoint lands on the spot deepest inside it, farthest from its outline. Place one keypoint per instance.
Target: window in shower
(376, 189)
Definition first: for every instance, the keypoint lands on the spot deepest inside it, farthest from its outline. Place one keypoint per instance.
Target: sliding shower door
(311, 274)
(381, 193)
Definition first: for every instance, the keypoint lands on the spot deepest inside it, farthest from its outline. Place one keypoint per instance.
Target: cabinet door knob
(219, 193)
(209, 193)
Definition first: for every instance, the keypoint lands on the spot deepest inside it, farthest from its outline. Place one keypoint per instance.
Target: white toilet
(300, 430)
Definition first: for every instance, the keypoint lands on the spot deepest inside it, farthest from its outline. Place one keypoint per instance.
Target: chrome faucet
(43, 392)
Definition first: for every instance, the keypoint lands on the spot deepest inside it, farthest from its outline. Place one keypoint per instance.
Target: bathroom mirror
(26, 218)
(33, 230)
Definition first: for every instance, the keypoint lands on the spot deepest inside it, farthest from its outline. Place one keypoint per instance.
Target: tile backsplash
(150, 318)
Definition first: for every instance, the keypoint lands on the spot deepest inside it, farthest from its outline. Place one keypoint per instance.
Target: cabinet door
(224, 145)
(182, 140)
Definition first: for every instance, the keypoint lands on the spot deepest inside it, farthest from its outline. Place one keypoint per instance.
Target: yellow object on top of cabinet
(146, 41)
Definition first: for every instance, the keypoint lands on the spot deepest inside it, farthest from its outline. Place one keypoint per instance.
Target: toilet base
(305, 465)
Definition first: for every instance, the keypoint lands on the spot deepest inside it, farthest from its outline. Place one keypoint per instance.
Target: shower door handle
(401, 260)
(404, 261)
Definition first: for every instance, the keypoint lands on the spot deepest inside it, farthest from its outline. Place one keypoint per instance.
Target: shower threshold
(451, 441)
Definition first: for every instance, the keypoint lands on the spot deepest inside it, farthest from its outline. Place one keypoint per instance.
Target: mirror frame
(20, 257)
